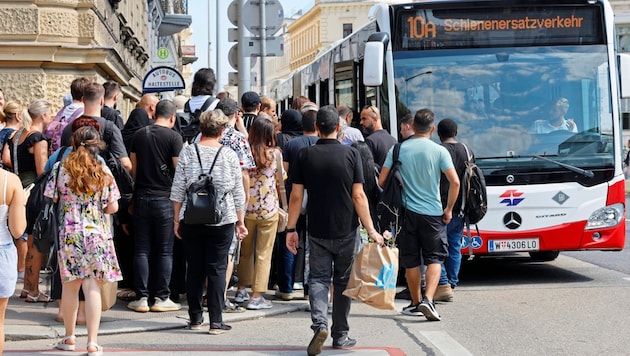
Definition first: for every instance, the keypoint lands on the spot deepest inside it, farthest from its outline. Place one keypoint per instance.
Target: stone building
(44, 45)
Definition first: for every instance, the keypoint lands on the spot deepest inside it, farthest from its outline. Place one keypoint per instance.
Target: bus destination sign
(497, 27)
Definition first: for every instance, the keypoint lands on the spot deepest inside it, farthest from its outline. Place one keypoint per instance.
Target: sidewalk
(30, 321)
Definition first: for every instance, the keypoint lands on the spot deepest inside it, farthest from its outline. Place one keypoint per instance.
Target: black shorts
(423, 240)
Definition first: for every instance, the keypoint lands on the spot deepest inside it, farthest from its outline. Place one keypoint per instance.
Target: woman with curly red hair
(86, 191)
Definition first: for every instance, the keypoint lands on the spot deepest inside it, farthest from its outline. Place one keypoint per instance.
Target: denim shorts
(8, 270)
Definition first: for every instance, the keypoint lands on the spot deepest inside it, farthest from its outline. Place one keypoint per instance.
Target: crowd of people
(330, 162)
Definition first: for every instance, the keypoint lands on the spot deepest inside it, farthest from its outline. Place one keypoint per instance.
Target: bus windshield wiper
(584, 172)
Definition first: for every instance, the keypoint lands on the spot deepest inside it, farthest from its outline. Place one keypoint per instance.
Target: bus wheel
(544, 256)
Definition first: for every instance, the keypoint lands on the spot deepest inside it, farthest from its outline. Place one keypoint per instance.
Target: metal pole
(219, 62)
(244, 73)
(209, 36)
(263, 48)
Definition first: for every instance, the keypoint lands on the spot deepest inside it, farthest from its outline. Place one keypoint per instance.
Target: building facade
(44, 45)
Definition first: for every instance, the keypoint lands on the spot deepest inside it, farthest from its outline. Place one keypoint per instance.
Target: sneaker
(259, 303)
(241, 296)
(284, 296)
(298, 285)
(428, 309)
(195, 325)
(443, 293)
(219, 328)
(412, 310)
(344, 343)
(317, 342)
(165, 305)
(141, 305)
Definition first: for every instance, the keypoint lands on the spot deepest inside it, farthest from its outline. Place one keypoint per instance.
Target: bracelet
(176, 221)
(287, 230)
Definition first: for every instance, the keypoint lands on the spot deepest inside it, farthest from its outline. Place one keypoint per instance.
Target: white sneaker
(141, 305)
(259, 303)
(165, 305)
(241, 296)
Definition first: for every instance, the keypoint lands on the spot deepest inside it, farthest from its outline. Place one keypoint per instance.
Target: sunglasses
(371, 109)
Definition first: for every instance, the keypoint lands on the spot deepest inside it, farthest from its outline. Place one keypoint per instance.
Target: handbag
(283, 215)
(373, 276)
(202, 206)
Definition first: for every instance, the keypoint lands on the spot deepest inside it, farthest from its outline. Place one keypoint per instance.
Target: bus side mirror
(374, 59)
(624, 74)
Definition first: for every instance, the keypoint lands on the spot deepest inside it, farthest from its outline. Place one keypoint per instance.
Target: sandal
(23, 293)
(40, 298)
(63, 344)
(99, 349)
(232, 308)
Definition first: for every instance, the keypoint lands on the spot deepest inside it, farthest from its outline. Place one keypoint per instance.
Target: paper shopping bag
(108, 295)
(373, 276)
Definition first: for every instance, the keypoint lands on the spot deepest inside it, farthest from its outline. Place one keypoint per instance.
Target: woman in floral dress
(86, 192)
(261, 218)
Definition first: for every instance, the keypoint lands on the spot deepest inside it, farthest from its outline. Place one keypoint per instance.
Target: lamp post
(410, 78)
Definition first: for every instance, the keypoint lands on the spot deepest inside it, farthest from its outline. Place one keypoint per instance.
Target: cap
(309, 106)
(228, 106)
(249, 99)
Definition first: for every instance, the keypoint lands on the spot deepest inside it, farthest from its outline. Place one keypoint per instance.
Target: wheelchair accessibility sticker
(476, 243)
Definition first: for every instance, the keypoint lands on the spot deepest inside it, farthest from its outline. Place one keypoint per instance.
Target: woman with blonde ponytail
(86, 192)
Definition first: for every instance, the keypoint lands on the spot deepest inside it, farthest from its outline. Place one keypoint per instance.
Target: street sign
(275, 46)
(274, 15)
(161, 79)
(233, 12)
(233, 56)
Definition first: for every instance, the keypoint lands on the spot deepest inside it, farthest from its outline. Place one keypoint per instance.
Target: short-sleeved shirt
(379, 143)
(26, 168)
(352, 135)
(459, 157)
(150, 180)
(328, 171)
(544, 126)
(248, 120)
(423, 161)
(235, 140)
(109, 133)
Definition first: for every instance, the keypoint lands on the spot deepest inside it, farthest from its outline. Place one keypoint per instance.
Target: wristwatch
(290, 230)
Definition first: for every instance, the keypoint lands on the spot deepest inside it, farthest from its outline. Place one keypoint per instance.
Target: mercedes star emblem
(512, 220)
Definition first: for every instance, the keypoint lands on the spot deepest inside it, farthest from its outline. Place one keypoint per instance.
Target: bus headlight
(605, 217)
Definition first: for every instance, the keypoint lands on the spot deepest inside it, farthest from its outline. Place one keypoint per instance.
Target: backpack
(189, 121)
(123, 178)
(474, 197)
(35, 205)
(55, 129)
(473, 192)
(202, 206)
(390, 206)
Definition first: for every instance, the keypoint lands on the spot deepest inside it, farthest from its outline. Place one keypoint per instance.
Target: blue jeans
(450, 268)
(331, 258)
(287, 268)
(153, 256)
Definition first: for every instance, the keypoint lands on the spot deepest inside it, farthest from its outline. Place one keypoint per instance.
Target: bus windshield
(515, 103)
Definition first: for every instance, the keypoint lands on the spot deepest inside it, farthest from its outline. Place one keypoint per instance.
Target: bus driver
(557, 120)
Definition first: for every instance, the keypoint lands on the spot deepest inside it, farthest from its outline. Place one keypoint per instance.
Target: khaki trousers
(255, 262)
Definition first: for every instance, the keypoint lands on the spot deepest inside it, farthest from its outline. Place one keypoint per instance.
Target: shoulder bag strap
(396, 153)
(16, 141)
(280, 179)
(215, 159)
(468, 155)
(199, 157)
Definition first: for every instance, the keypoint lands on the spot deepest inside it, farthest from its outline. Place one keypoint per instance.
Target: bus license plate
(513, 245)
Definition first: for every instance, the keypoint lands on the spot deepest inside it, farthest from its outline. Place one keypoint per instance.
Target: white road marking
(445, 343)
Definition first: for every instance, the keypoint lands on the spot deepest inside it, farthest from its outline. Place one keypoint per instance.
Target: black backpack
(35, 205)
(188, 121)
(390, 206)
(202, 204)
(474, 196)
(473, 192)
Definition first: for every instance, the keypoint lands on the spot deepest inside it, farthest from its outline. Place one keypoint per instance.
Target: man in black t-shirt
(250, 103)
(333, 175)
(379, 140)
(154, 153)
